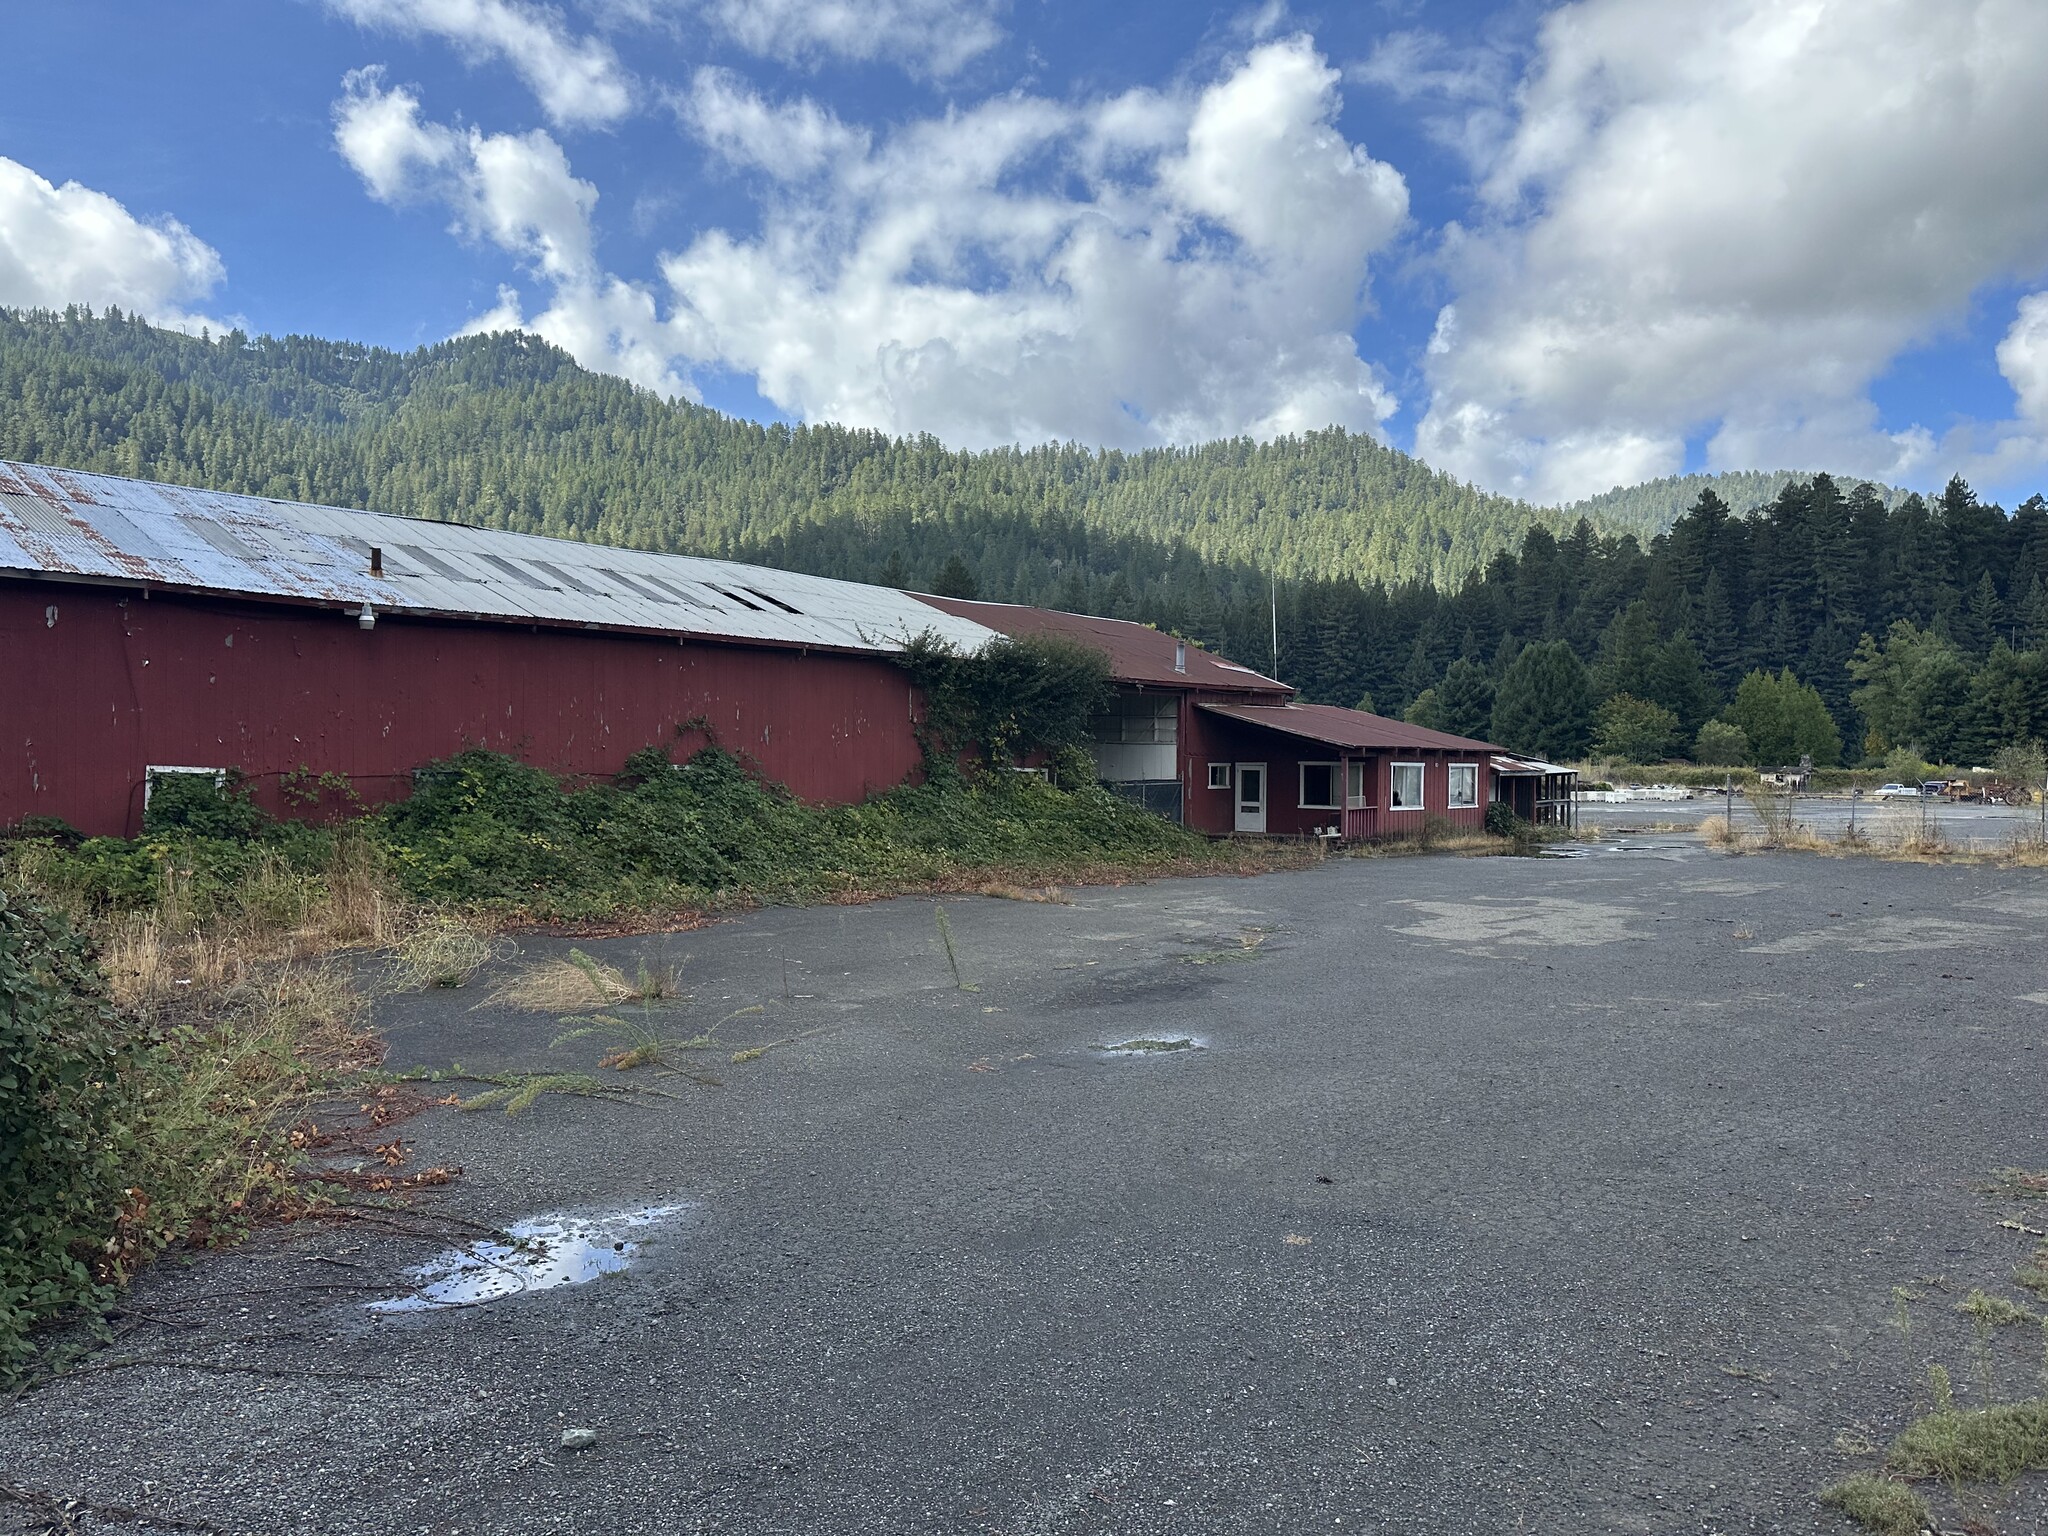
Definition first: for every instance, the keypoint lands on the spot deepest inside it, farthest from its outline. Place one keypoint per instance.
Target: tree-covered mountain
(1835, 617)
(1654, 505)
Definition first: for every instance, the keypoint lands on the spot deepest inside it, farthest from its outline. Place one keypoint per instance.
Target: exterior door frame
(1250, 818)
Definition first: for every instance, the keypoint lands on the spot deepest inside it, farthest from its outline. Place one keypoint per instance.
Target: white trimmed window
(1407, 790)
(1354, 786)
(1464, 786)
(1318, 786)
(1219, 775)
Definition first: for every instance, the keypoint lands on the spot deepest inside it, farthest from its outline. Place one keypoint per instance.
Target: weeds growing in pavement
(517, 1092)
(2033, 1274)
(566, 983)
(443, 951)
(1973, 1445)
(952, 953)
(636, 1042)
(1995, 1311)
(1881, 1505)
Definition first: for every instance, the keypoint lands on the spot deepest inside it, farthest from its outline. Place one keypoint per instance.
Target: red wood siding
(96, 683)
(1207, 738)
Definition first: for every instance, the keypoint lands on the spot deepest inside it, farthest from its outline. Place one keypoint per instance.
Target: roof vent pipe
(376, 561)
(1180, 655)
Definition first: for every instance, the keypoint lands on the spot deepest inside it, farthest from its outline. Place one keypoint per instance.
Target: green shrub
(1880, 1504)
(485, 829)
(70, 1108)
(194, 805)
(1502, 821)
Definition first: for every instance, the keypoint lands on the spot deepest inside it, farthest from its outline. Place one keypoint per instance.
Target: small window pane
(1219, 775)
(1464, 785)
(1319, 786)
(1407, 795)
(1355, 783)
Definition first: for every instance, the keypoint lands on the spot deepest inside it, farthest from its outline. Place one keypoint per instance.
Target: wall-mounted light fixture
(367, 619)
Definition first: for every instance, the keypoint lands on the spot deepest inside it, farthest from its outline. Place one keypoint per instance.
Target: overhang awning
(1527, 767)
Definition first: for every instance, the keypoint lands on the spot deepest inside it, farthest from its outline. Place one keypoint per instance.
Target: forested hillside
(1655, 505)
(507, 431)
(1839, 619)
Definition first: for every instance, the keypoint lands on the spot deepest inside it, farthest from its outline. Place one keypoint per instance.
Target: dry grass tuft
(443, 951)
(568, 983)
(1002, 890)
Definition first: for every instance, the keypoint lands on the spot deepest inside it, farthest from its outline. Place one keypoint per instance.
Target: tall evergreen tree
(1544, 703)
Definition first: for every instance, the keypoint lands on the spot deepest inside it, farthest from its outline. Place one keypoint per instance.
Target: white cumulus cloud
(2023, 359)
(788, 142)
(1724, 220)
(518, 192)
(578, 80)
(1150, 268)
(1157, 267)
(69, 244)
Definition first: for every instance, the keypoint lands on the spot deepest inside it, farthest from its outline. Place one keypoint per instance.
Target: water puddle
(533, 1255)
(1162, 1045)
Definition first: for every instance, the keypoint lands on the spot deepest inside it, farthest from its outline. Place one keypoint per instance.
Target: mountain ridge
(508, 431)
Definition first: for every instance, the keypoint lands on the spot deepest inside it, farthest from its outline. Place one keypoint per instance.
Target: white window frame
(1421, 786)
(1359, 799)
(1301, 798)
(1219, 775)
(1451, 800)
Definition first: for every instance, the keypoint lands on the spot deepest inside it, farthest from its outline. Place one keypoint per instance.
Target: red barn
(149, 626)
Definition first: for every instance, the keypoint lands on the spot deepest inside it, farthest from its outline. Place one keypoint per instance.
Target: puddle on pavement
(1153, 1045)
(537, 1254)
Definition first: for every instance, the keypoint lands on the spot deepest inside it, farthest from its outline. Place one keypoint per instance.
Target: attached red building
(1225, 749)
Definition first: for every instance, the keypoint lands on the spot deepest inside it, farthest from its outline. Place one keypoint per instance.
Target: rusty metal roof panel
(1137, 653)
(61, 523)
(1334, 726)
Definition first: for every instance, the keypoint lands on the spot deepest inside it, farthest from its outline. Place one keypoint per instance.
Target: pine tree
(1544, 703)
(1464, 699)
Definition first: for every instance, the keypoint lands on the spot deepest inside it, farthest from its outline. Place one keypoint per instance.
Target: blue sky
(1550, 247)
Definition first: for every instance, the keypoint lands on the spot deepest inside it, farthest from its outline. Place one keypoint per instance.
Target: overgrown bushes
(70, 1107)
(484, 829)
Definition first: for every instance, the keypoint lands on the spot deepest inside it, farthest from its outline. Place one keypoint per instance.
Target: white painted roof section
(65, 523)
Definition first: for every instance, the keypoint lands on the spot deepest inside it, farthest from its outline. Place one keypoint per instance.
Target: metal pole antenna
(1275, 598)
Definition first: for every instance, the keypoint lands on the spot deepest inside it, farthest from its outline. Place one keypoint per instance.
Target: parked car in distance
(1935, 789)
(1896, 792)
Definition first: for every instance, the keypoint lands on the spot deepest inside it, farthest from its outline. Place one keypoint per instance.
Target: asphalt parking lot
(1490, 1195)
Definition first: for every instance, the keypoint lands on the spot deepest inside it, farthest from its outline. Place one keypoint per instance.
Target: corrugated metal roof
(1337, 727)
(1526, 767)
(64, 523)
(1137, 652)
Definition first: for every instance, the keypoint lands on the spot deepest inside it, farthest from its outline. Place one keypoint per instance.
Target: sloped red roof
(1137, 653)
(1334, 726)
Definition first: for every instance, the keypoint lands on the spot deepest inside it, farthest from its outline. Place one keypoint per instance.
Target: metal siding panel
(120, 682)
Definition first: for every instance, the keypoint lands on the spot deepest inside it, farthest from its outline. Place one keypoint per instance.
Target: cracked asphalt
(1498, 1195)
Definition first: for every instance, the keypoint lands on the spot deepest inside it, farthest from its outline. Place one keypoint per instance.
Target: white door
(1251, 797)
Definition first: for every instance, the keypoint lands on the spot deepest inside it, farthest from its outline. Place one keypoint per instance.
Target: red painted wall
(98, 682)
